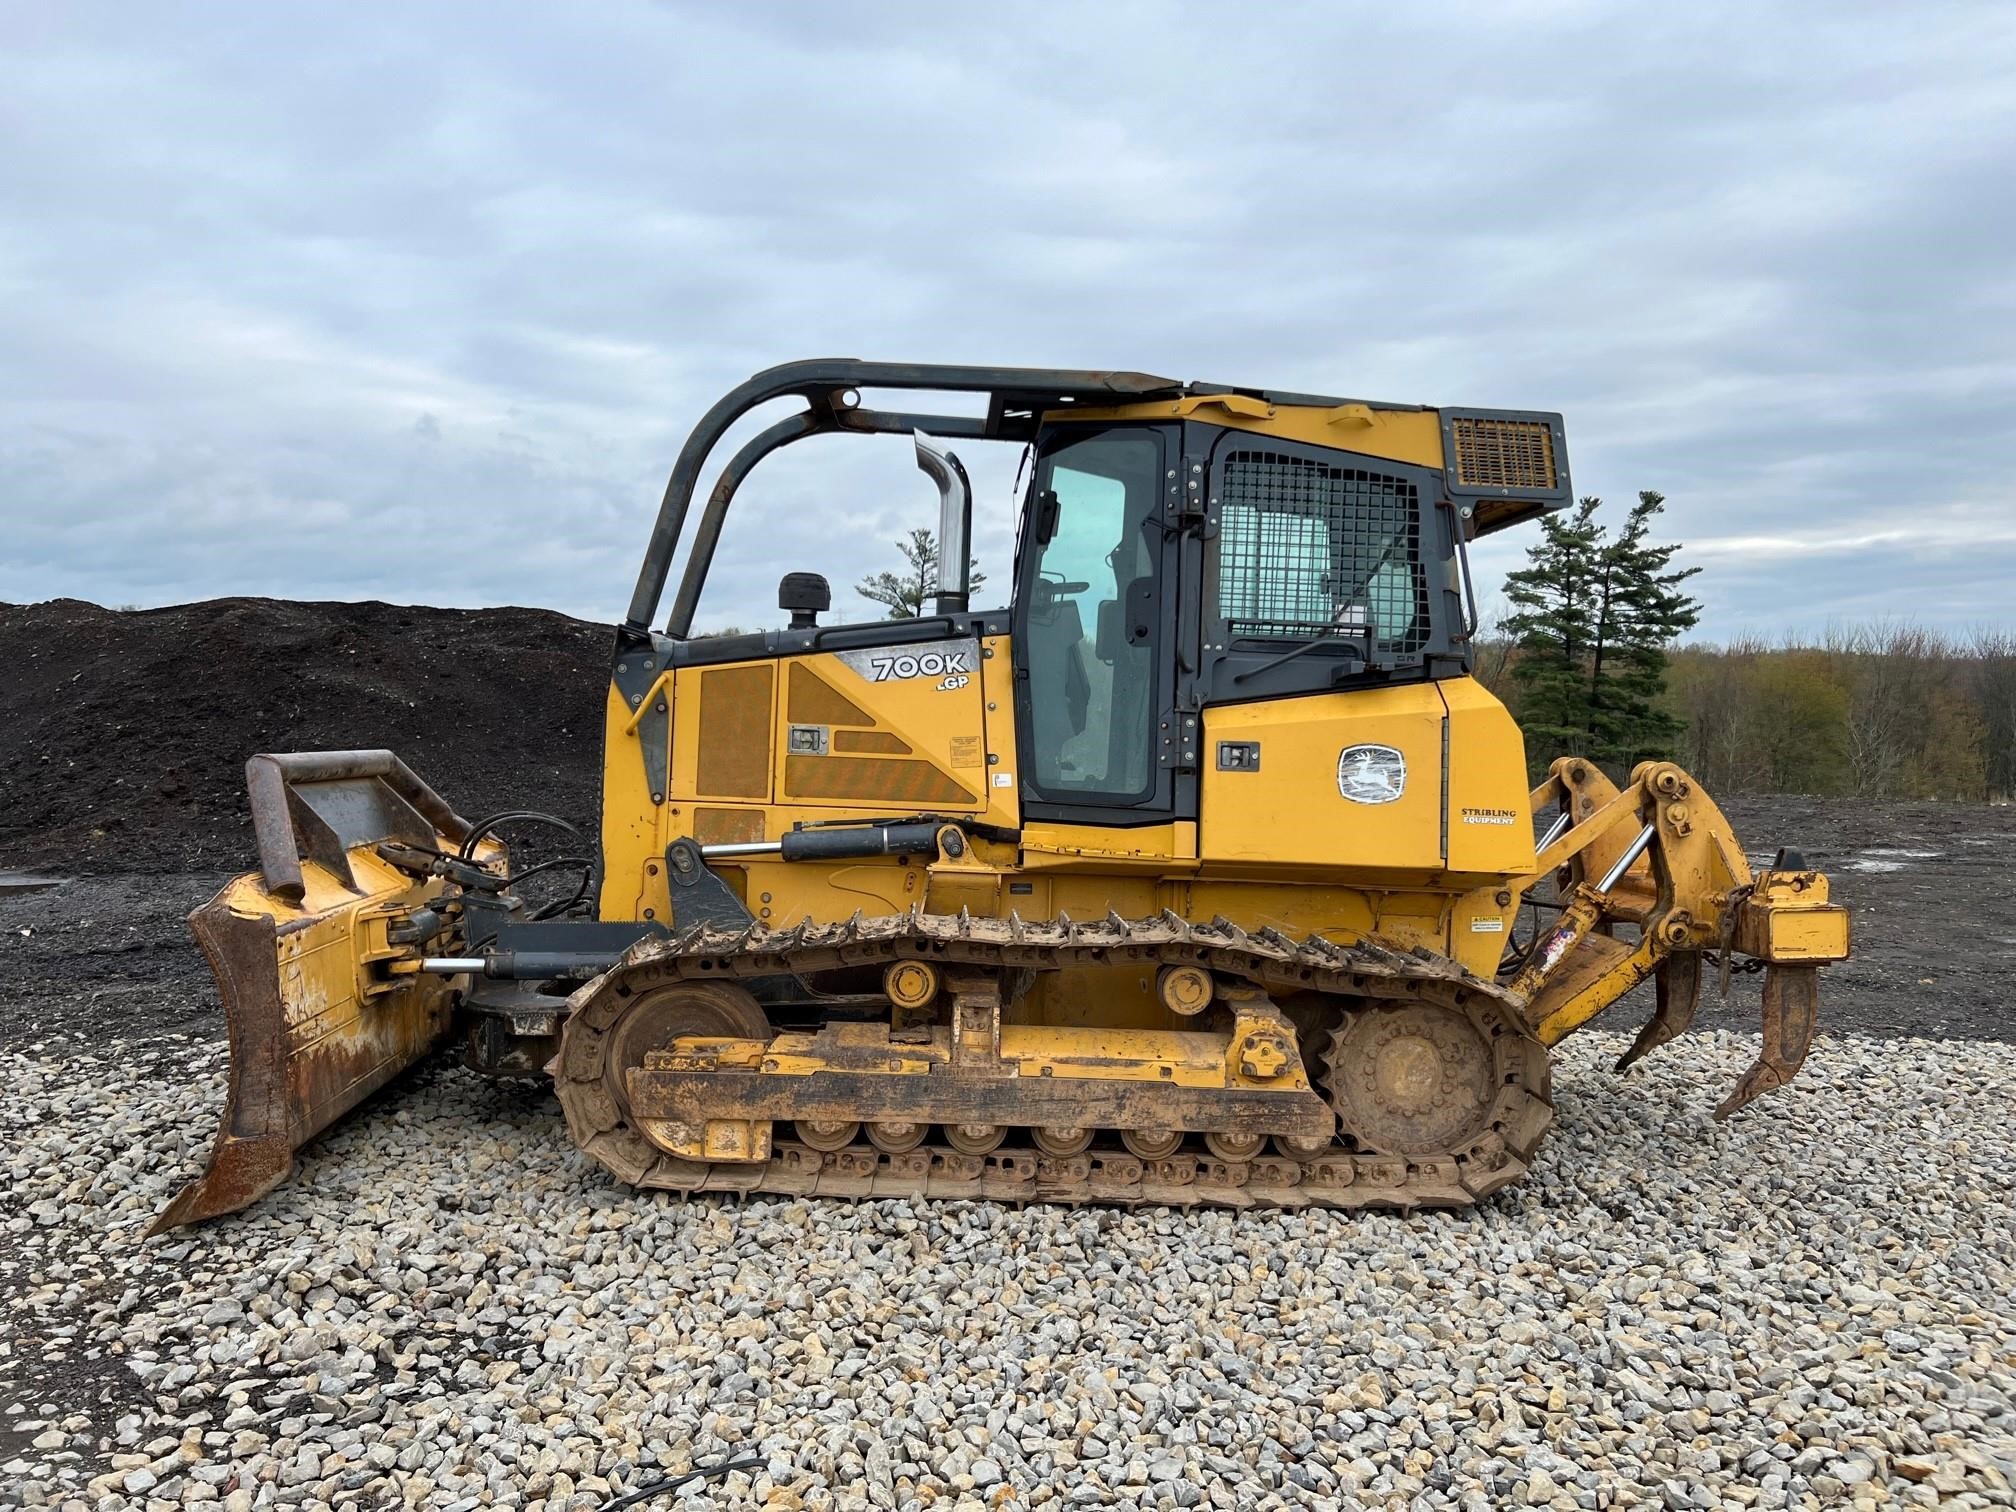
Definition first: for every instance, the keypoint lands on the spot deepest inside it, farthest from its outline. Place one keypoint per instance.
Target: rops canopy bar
(1018, 399)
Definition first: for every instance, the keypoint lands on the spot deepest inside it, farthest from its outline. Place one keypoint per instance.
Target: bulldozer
(1203, 872)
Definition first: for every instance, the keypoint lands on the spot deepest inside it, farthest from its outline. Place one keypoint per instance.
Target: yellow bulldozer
(1198, 873)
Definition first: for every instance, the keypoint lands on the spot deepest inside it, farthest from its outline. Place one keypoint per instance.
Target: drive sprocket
(1427, 1079)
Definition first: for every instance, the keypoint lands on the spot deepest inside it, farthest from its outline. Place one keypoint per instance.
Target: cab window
(1093, 625)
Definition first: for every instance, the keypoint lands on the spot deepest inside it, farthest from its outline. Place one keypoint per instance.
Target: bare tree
(1714, 686)
(1491, 650)
(1879, 710)
(1994, 691)
(1882, 667)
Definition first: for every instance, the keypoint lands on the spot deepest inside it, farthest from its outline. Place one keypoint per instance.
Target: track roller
(1062, 1143)
(894, 1138)
(1235, 1147)
(1152, 1144)
(1301, 1149)
(975, 1139)
(827, 1134)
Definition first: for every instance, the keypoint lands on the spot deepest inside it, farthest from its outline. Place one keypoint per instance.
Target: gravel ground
(450, 1307)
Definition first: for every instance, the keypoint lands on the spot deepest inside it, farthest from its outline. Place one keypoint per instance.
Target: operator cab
(1181, 547)
(1166, 566)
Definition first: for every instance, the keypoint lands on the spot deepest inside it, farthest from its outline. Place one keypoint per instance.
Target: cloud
(422, 308)
(1938, 535)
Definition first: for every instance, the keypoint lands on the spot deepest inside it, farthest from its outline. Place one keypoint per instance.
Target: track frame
(1333, 980)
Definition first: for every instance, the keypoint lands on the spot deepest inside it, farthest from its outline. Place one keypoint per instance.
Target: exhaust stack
(955, 522)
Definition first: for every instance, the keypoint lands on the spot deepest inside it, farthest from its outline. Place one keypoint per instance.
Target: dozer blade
(1791, 1009)
(316, 1021)
(1677, 984)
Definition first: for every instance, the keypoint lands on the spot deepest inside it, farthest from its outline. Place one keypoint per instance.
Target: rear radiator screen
(1503, 453)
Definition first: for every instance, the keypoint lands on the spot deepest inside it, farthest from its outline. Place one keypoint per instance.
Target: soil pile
(124, 733)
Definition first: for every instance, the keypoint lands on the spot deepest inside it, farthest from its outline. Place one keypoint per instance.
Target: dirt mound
(124, 733)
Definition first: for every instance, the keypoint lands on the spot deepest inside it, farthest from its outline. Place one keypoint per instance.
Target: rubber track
(1355, 976)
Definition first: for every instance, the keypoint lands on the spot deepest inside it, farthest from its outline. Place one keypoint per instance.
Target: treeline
(1891, 711)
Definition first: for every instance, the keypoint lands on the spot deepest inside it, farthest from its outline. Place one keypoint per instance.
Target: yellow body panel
(1461, 817)
(902, 727)
(1290, 817)
(1404, 435)
(1154, 848)
(1490, 817)
(632, 824)
(1279, 849)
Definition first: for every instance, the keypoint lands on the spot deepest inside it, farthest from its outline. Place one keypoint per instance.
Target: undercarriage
(1346, 1076)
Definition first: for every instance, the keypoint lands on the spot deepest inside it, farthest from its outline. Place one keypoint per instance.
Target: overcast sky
(418, 302)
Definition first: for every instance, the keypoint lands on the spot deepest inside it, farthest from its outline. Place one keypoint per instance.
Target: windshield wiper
(1325, 638)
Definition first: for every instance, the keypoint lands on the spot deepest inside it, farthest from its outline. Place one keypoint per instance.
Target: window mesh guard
(1308, 549)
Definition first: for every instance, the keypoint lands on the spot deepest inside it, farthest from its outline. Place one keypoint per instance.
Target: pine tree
(904, 593)
(1594, 618)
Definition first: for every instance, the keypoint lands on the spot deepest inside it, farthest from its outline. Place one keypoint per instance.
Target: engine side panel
(1420, 784)
(1490, 813)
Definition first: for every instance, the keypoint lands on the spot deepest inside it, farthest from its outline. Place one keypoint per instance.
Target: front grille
(880, 779)
(1308, 549)
(733, 759)
(1503, 453)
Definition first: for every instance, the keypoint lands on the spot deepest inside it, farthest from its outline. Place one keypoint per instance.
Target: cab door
(1094, 629)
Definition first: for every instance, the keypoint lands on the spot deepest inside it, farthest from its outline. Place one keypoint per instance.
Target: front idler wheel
(609, 1035)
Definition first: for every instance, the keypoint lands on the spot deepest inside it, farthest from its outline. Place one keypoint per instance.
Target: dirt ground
(123, 736)
(1932, 892)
